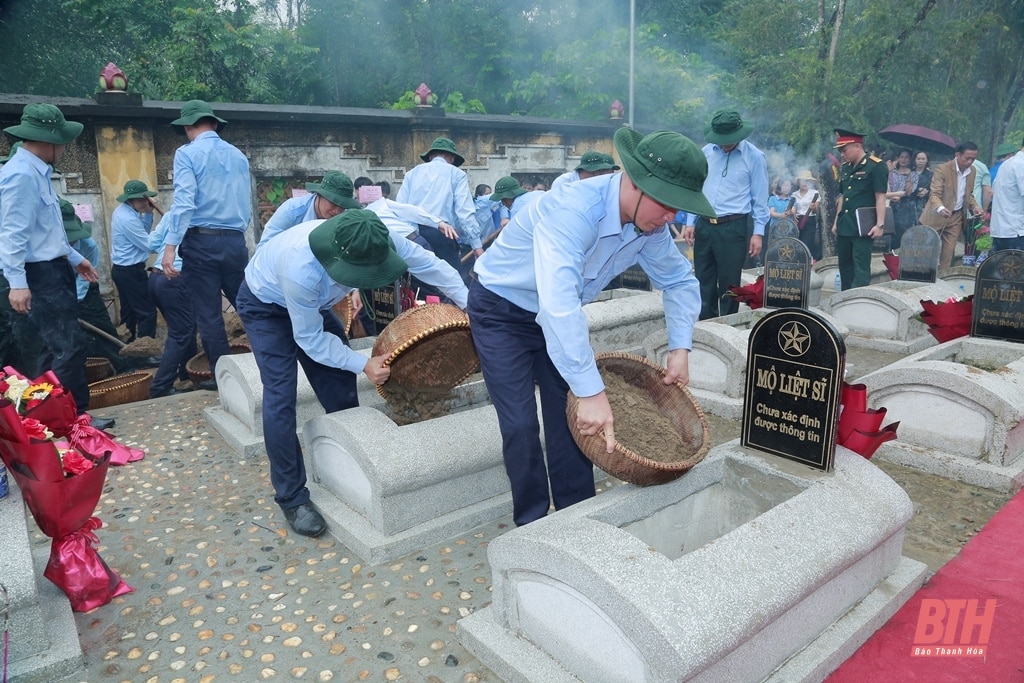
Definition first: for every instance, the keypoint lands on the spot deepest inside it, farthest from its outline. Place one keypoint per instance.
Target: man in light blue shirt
(35, 256)
(327, 199)
(171, 297)
(130, 226)
(285, 305)
(440, 187)
(737, 187)
(211, 210)
(526, 306)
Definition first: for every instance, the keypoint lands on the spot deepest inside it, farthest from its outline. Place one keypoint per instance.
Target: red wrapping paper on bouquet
(96, 442)
(948, 320)
(860, 427)
(752, 295)
(80, 572)
(63, 508)
(57, 411)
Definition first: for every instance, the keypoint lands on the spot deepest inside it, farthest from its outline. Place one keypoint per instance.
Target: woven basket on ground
(673, 401)
(345, 312)
(198, 367)
(133, 386)
(428, 347)
(97, 369)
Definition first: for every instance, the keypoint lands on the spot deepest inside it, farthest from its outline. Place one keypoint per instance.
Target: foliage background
(797, 68)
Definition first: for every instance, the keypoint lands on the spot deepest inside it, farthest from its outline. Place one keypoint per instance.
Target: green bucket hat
(506, 188)
(73, 225)
(336, 187)
(135, 189)
(443, 145)
(192, 111)
(10, 155)
(667, 166)
(45, 123)
(1005, 149)
(596, 161)
(356, 250)
(727, 128)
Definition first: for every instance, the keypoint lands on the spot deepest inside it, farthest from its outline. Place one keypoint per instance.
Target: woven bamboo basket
(127, 388)
(427, 347)
(673, 400)
(97, 369)
(343, 309)
(198, 367)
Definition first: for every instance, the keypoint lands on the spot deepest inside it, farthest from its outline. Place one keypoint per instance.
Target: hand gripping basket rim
(439, 318)
(626, 464)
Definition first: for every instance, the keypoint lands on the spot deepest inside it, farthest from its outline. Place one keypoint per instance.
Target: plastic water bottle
(839, 283)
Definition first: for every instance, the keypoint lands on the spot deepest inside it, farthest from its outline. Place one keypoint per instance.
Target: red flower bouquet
(948, 319)
(752, 295)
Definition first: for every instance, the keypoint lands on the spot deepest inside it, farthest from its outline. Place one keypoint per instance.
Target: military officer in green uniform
(864, 180)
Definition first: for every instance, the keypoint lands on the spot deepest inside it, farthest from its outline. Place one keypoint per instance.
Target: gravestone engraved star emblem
(794, 339)
(1010, 269)
(787, 252)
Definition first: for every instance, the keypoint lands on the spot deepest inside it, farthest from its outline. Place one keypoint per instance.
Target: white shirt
(1008, 199)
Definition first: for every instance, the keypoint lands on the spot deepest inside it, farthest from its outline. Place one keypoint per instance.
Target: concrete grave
(920, 248)
(43, 637)
(828, 268)
(787, 273)
(747, 568)
(883, 317)
(960, 406)
(961, 278)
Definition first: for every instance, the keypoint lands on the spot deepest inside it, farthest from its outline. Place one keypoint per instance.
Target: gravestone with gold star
(998, 309)
(787, 274)
(795, 366)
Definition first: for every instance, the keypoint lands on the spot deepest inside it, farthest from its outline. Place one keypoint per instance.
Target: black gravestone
(920, 247)
(633, 277)
(787, 274)
(385, 306)
(998, 309)
(784, 227)
(795, 366)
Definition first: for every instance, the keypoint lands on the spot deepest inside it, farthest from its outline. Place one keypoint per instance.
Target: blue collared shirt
(88, 248)
(443, 190)
(485, 210)
(737, 182)
(211, 188)
(129, 236)
(523, 201)
(402, 219)
(560, 252)
(31, 227)
(567, 177)
(289, 275)
(292, 212)
(156, 245)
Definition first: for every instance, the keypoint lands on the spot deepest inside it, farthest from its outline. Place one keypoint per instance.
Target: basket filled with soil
(660, 430)
(430, 351)
(198, 367)
(97, 369)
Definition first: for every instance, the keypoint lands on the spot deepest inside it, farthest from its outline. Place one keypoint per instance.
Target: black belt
(53, 260)
(726, 219)
(140, 264)
(212, 231)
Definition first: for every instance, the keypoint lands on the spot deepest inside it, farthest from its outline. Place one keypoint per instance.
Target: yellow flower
(39, 391)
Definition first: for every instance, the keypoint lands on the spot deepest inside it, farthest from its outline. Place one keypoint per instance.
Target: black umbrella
(919, 138)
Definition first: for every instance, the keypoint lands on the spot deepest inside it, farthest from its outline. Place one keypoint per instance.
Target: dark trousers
(92, 310)
(137, 310)
(444, 248)
(854, 255)
(171, 297)
(211, 265)
(513, 356)
(54, 314)
(810, 236)
(20, 343)
(270, 335)
(718, 255)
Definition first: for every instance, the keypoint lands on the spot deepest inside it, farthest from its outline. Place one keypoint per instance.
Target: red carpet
(965, 624)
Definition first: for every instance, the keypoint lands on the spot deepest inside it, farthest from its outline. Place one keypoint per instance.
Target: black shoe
(208, 385)
(305, 520)
(101, 422)
(150, 362)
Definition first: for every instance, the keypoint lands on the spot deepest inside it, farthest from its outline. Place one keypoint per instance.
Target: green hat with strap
(135, 189)
(45, 123)
(667, 166)
(443, 145)
(192, 111)
(336, 187)
(507, 188)
(727, 128)
(596, 161)
(356, 250)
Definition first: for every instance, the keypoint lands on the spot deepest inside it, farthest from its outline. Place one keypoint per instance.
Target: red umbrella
(919, 138)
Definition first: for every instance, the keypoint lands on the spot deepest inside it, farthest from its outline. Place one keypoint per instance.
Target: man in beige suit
(951, 197)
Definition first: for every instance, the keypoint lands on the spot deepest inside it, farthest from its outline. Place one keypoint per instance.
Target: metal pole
(632, 40)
